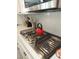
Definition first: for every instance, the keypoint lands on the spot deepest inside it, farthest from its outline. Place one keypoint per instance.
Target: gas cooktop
(47, 44)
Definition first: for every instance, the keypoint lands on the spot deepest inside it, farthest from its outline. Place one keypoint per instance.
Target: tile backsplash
(51, 21)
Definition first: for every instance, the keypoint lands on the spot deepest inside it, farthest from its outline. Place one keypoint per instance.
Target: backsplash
(51, 21)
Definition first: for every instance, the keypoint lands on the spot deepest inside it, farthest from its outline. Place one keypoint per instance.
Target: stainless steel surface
(49, 46)
(29, 3)
(44, 45)
(46, 5)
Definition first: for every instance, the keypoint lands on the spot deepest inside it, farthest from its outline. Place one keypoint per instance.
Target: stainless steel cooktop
(46, 44)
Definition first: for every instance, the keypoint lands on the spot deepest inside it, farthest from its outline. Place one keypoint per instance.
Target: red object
(39, 31)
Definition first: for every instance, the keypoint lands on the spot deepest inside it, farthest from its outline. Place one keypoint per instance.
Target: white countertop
(27, 45)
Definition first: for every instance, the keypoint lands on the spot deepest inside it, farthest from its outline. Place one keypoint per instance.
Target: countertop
(31, 50)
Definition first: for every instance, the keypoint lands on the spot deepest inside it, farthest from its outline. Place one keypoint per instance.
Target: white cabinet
(24, 52)
(20, 6)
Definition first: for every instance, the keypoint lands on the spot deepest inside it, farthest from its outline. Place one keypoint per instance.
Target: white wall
(20, 19)
(51, 21)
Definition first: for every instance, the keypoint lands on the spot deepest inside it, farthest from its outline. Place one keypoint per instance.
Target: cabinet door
(19, 55)
(18, 7)
(23, 53)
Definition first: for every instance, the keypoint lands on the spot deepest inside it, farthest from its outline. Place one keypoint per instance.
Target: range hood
(50, 5)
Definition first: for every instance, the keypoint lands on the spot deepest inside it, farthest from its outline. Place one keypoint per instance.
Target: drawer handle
(25, 54)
